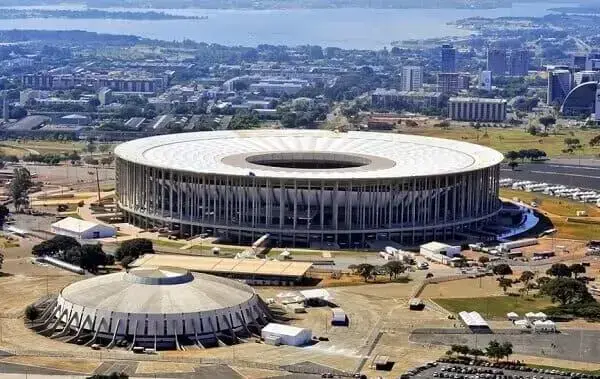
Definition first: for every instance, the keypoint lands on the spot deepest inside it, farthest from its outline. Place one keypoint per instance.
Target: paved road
(586, 175)
(572, 344)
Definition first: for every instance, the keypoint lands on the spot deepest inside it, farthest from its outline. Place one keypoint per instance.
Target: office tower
(452, 82)
(559, 85)
(578, 62)
(592, 62)
(448, 58)
(486, 80)
(412, 78)
(519, 62)
(496, 61)
(581, 77)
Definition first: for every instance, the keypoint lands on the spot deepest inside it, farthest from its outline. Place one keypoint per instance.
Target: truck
(507, 246)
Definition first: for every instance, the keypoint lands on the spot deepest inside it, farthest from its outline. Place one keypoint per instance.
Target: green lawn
(495, 307)
(512, 138)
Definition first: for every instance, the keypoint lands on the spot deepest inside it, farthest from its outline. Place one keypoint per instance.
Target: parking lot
(487, 370)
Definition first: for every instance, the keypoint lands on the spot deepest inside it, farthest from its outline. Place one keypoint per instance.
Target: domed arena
(308, 187)
(156, 308)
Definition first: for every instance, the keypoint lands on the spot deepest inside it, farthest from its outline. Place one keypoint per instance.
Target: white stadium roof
(374, 155)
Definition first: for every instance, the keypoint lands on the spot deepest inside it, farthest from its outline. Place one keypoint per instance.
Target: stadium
(308, 187)
(155, 307)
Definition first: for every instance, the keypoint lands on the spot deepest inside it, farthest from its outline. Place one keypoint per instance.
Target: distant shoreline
(268, 4)
(14, 13)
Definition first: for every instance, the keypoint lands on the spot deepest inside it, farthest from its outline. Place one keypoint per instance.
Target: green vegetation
(134, 248)
(496, 307)
(507, 139)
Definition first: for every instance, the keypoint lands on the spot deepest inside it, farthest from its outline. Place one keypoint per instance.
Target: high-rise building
(559, 85)
(486, 80)
(585, 76)
(592, 62)
(452, 82)
(519, 62)
(496, 61)
(448, 58)
(412, 78)
(578, 62)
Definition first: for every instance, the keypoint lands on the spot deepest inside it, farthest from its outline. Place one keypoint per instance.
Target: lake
(345, 28)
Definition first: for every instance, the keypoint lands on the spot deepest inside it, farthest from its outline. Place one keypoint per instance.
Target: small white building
(439, 252)
(286, 335)
(82, 229)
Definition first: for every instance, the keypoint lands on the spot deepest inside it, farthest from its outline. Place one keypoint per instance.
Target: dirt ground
(465, 288)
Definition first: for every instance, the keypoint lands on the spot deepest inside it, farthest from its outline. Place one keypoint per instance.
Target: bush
(32, 313)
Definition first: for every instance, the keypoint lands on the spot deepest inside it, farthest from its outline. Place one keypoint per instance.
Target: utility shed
(81, 229)
(286, 335)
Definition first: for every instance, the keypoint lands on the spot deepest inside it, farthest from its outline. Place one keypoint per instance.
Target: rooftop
(225, 265)
(309, 154)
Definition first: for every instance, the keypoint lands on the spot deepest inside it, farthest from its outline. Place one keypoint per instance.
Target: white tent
(286, 335)
(512, 316)
(531, 316)
(544, 326)
(522, 324)
(82, 229)
(289, 297)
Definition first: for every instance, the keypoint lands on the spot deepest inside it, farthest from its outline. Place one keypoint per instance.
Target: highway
(569, 174)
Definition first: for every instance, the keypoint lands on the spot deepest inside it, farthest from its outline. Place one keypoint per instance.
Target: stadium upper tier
(308, 154)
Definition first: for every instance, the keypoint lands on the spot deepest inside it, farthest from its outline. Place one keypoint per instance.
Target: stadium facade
(307, 187)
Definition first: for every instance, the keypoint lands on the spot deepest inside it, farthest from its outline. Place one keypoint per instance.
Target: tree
(542, 280)
(547, 121)
(511, 155)
(1, 260)
(92, 256)
(54, 246)
(90, 147)
(32, 313)
(4, 212)
(107, 160)
(526, 277)
(134, 248)
(476, 353)
(494, 350)
(502, 269)
(513, 165)
(394, 268)
(559, 270)
(365, 270)
(566, 291)
(576, 269)
(504, 283)
(483, 260)
(506, 349)
(19, 186)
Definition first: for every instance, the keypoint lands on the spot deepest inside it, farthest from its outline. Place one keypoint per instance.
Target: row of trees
(368, 271)
(531, 154)
(495, 350)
